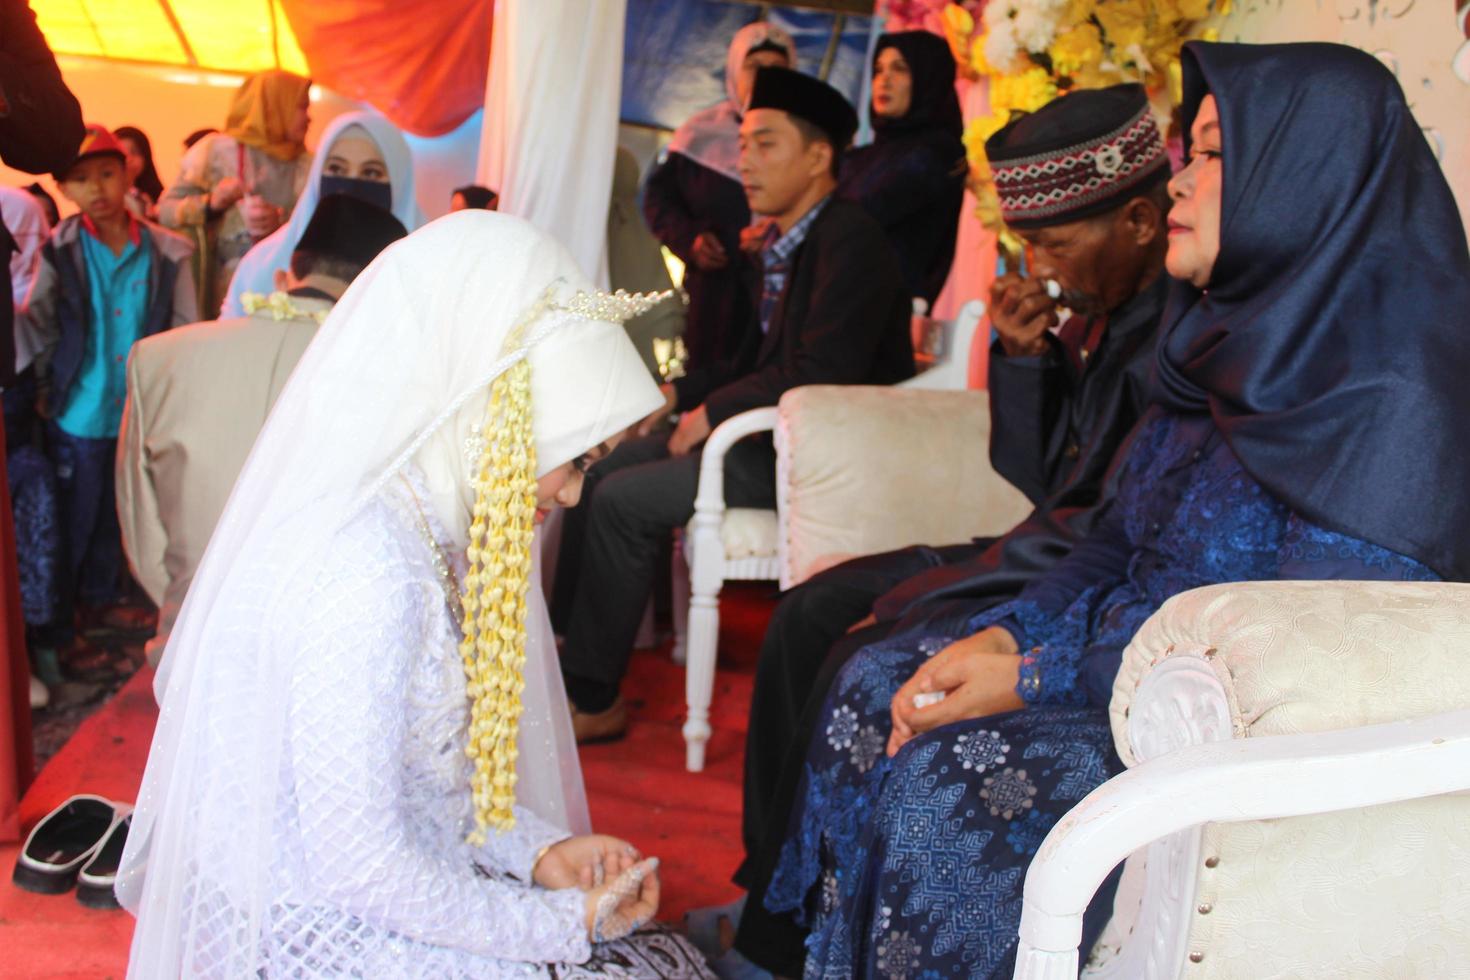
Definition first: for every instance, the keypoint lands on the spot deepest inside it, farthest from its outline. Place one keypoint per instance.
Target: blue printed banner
(674, 54)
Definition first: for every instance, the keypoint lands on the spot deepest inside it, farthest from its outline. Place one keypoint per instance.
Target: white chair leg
(706, 553)
(699, 674)
(706, 579)
(679, 586)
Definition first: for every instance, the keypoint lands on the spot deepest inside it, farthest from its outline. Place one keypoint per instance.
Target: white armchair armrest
(707, 567)
(1266, 722)
(711, 496)
(1249, 779)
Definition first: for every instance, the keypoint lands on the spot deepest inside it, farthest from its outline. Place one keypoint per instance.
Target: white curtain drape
(551, 118)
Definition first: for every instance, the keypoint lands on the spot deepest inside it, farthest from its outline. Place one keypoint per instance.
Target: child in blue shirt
(106, 280)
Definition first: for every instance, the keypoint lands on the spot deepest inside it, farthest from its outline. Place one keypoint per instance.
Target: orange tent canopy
(229, 36)
(423, 65)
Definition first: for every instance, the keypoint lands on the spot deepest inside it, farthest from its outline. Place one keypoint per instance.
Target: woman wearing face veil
(912, 176)
(364, 762)
(1308, 423)
(362, 155)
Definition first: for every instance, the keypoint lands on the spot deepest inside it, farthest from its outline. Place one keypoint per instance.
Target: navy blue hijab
(1331, 346)
(934, 106)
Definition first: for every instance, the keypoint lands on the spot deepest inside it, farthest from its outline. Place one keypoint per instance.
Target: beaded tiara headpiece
(615, 307)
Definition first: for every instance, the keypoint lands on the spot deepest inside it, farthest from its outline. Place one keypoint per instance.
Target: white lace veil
(399, 372)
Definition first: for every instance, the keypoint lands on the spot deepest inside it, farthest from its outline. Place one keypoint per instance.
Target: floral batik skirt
(36, 506)
(914, 866)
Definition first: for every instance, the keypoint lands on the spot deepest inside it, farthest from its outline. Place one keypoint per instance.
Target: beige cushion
(748, 533)
(870, 469)
(1374, 892)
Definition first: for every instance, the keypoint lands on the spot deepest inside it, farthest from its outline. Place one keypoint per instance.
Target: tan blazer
(197, 398)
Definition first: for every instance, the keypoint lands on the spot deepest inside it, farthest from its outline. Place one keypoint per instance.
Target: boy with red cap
(106, 280)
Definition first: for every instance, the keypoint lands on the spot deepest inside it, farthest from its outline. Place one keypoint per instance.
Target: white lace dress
(372, 876)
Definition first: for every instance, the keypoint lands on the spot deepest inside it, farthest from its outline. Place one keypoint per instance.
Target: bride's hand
(624, 904)
(584, 862)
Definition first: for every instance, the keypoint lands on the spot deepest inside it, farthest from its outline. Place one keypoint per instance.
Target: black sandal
(95, 881)
(64, 840)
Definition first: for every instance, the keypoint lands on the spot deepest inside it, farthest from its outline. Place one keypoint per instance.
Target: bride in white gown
(315, 804)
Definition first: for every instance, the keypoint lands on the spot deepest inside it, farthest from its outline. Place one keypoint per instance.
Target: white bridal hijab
(399, 373)
(256, 271)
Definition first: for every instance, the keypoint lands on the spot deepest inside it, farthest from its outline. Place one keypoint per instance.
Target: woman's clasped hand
(622, 885)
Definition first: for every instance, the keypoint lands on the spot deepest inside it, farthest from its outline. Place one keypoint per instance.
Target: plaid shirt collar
(778, 250)
(776, 257)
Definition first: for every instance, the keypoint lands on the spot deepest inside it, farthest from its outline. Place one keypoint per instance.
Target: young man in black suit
(832, 309)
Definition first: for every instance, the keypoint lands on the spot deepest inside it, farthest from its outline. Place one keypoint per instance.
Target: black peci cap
(350, 229)
(811, 99)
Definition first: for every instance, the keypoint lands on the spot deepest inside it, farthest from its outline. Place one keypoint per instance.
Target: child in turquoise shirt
(107, 279)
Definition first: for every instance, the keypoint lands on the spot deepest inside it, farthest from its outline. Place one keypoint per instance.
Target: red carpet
(638, 790)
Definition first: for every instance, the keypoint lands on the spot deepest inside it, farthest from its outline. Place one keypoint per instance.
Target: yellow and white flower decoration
(1031, 51)
(279, 306)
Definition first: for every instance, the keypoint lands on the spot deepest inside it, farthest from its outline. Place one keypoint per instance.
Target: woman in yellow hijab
(237, 186)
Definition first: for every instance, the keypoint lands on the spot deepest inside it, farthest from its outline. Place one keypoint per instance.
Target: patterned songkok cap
(1081, 155)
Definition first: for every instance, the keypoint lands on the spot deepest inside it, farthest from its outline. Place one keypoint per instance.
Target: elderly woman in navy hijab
(912, 176)
(1308, 423)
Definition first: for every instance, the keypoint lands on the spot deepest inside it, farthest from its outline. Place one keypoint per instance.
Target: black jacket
(40, 130)
(1052, 429)
(1056, 436)
(40, 120)
(681, 200)
(915, 193)
(842, 319)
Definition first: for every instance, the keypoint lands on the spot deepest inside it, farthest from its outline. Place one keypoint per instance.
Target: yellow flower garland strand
(494, 628)
(502, 532)
(493, 647)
